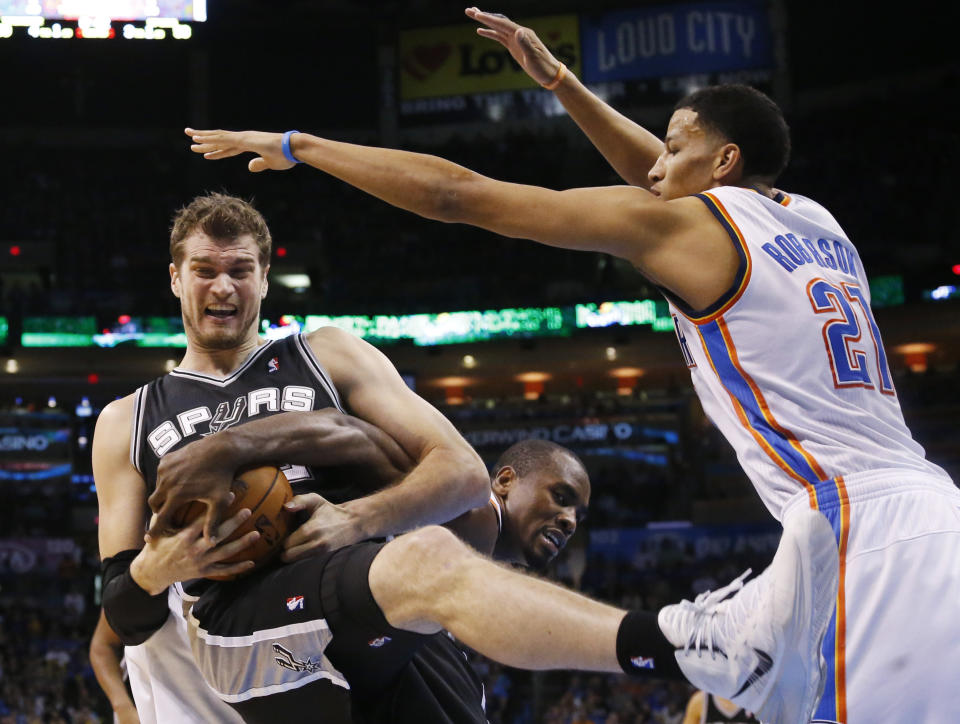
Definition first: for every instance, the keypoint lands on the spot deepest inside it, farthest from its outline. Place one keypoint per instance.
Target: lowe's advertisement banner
(454, 60)
(663, 41)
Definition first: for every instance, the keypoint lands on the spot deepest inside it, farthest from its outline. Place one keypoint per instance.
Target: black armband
(132, 613)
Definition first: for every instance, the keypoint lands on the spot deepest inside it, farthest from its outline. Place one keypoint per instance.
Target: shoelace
(704, 606)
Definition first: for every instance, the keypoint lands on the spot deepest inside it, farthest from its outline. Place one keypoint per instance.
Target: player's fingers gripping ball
(264, 490)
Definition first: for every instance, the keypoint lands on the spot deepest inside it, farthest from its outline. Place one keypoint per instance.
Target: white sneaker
(760, 646)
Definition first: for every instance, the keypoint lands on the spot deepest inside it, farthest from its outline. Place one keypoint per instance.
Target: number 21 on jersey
(854, 360)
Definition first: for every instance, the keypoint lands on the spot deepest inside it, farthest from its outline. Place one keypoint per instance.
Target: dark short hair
(528, 455)
(219, 216)
(748, 118)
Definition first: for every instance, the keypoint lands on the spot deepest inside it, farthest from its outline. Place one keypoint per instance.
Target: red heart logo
(431, 57)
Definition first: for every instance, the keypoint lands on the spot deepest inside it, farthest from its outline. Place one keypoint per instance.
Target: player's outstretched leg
(760, 647)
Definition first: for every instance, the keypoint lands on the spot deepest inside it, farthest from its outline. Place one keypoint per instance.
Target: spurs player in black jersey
(298, 631)
(539, 491)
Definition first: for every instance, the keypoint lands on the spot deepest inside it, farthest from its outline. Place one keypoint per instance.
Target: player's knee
(412, 575)
(427, 559)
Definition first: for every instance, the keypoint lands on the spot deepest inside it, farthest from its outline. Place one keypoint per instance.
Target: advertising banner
(674, 40)
(577, 433)
(645, 546)
(35, 446)
(454, 61)
(24, 555)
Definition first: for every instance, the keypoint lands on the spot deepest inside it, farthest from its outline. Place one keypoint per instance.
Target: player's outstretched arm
(326, 438)
(628, 147)
(677, 243)
(447, 477)
(106, 650)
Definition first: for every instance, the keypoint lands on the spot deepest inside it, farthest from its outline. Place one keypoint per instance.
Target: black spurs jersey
(279, 376)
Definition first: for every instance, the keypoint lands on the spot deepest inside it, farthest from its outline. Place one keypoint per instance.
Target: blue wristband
(285, 147)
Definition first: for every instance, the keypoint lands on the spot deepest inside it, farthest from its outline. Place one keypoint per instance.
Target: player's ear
(729, 163)
(175, 280)
(265, 284)
(505, 480)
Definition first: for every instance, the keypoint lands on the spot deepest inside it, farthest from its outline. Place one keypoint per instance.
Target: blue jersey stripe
(734, 381)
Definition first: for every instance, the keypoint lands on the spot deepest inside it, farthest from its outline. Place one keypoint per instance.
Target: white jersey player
(789, 364)
(167, 686)
(811, 410)
(773, 313)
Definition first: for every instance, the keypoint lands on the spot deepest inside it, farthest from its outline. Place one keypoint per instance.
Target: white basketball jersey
(789, 364)
(167, 686)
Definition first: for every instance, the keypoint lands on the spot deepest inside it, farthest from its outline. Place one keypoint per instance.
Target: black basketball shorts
(307, 639)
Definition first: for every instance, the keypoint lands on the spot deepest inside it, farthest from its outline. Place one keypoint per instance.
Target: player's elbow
(475, 481)
(462, 199)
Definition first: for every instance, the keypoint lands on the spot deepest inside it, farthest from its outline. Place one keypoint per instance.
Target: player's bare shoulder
(695, 258)
(344, 355)
(111, 437)
(689, 213)
(330, 338)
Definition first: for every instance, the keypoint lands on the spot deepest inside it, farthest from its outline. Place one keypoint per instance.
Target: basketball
(264, 490)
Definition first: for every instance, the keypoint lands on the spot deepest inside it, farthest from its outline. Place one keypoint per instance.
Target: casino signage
(574, 433)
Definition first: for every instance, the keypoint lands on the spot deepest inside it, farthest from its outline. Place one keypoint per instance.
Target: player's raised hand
(215, 145)
(524, 45)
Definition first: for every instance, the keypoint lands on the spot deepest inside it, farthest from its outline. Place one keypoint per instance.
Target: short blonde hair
(219, 216)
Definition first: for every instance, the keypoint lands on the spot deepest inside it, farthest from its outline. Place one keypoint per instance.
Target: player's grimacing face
(220, 283)
(544, 507)
(689, 158)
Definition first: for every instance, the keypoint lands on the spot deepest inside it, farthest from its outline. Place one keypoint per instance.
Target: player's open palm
(524, 45)
(215, 145)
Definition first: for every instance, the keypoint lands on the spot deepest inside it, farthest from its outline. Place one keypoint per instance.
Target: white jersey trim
(313, 363)
(260, 636)
(136, 435)
(222, 381)
(279, 688)
(499, 511)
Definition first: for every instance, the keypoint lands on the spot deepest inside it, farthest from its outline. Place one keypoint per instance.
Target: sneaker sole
(810, 541)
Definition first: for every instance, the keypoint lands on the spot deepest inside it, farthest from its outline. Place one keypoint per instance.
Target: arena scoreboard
(102, 19)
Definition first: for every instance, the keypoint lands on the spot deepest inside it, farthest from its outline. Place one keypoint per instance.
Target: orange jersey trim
(767, 414)
(745, 422)
(764, 407)
(840, 653)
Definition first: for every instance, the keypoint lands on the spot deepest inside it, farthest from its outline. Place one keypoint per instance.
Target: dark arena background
(508, 339)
